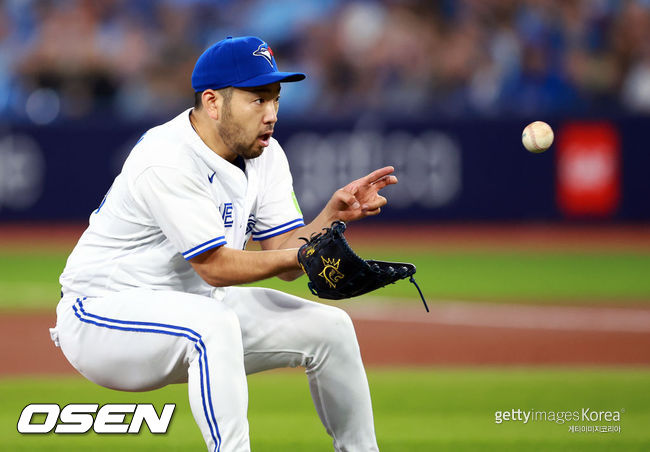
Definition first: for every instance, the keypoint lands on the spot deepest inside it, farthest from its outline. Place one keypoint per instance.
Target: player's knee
(229, 322)
(218, 321)
(337, 328)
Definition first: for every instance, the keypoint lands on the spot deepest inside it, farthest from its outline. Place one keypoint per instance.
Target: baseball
(537, 137)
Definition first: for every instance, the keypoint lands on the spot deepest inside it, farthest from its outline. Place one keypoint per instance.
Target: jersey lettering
(251, 224)
(227, 214)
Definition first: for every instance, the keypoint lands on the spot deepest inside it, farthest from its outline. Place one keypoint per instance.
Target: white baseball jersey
(135, 316)
(175, 199)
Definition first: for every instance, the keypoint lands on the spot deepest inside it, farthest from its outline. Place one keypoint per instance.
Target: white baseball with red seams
(537, 137)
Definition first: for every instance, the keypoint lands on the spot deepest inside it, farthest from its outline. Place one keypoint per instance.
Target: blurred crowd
(66, 59)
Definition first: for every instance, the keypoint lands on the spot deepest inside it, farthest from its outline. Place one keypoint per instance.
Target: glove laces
(412, 279)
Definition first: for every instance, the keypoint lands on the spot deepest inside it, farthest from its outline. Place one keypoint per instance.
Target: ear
(212, 103)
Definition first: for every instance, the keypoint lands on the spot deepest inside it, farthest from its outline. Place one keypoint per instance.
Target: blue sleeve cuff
(286, 227)
(203, 247)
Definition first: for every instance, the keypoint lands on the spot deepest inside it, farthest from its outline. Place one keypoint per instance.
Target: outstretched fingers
(376, 175)
(349, 199)
(373, 212)
(374, 205)
(384, 181)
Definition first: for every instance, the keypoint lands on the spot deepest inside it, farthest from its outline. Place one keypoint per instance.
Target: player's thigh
(282, 330)
(138, 339)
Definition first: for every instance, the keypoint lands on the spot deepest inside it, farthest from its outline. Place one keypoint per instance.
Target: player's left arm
(358, 199)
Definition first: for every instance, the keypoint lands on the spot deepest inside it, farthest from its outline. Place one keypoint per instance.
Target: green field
(415, 410)
(29, 279)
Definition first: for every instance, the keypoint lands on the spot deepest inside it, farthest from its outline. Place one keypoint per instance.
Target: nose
(270, 113)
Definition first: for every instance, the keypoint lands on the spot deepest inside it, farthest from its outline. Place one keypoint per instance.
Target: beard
(234, 137)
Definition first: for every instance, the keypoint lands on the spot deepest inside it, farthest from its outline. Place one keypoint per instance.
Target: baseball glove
(335, 271)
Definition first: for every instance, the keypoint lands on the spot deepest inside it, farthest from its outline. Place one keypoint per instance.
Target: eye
(259, 101)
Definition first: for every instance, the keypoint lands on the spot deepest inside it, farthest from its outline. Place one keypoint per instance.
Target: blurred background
(536, 266)
(441, 59)
(441, 90)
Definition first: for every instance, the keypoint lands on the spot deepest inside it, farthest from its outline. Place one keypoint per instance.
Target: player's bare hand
(360, 198)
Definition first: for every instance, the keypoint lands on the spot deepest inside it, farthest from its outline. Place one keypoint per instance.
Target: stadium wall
(458, 171)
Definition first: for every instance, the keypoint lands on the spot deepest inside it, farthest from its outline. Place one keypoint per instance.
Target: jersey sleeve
(278, 210)
(185, 212)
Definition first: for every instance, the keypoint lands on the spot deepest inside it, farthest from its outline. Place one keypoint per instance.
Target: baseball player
(149, 293)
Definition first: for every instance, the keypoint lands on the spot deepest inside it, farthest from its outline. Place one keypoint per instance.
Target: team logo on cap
(265, 51)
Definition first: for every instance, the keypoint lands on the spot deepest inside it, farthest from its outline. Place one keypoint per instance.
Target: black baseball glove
(335, 271)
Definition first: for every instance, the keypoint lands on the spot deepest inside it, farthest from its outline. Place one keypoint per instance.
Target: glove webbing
(362, 282)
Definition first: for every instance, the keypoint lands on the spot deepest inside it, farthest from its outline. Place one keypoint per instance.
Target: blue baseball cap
(240, 62)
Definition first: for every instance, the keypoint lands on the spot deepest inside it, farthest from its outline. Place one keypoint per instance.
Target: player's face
(247, 121)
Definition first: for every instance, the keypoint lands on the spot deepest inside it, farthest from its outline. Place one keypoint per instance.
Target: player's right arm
(223, 266)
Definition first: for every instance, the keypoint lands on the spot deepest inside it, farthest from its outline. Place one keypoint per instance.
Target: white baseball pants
(142, 339)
